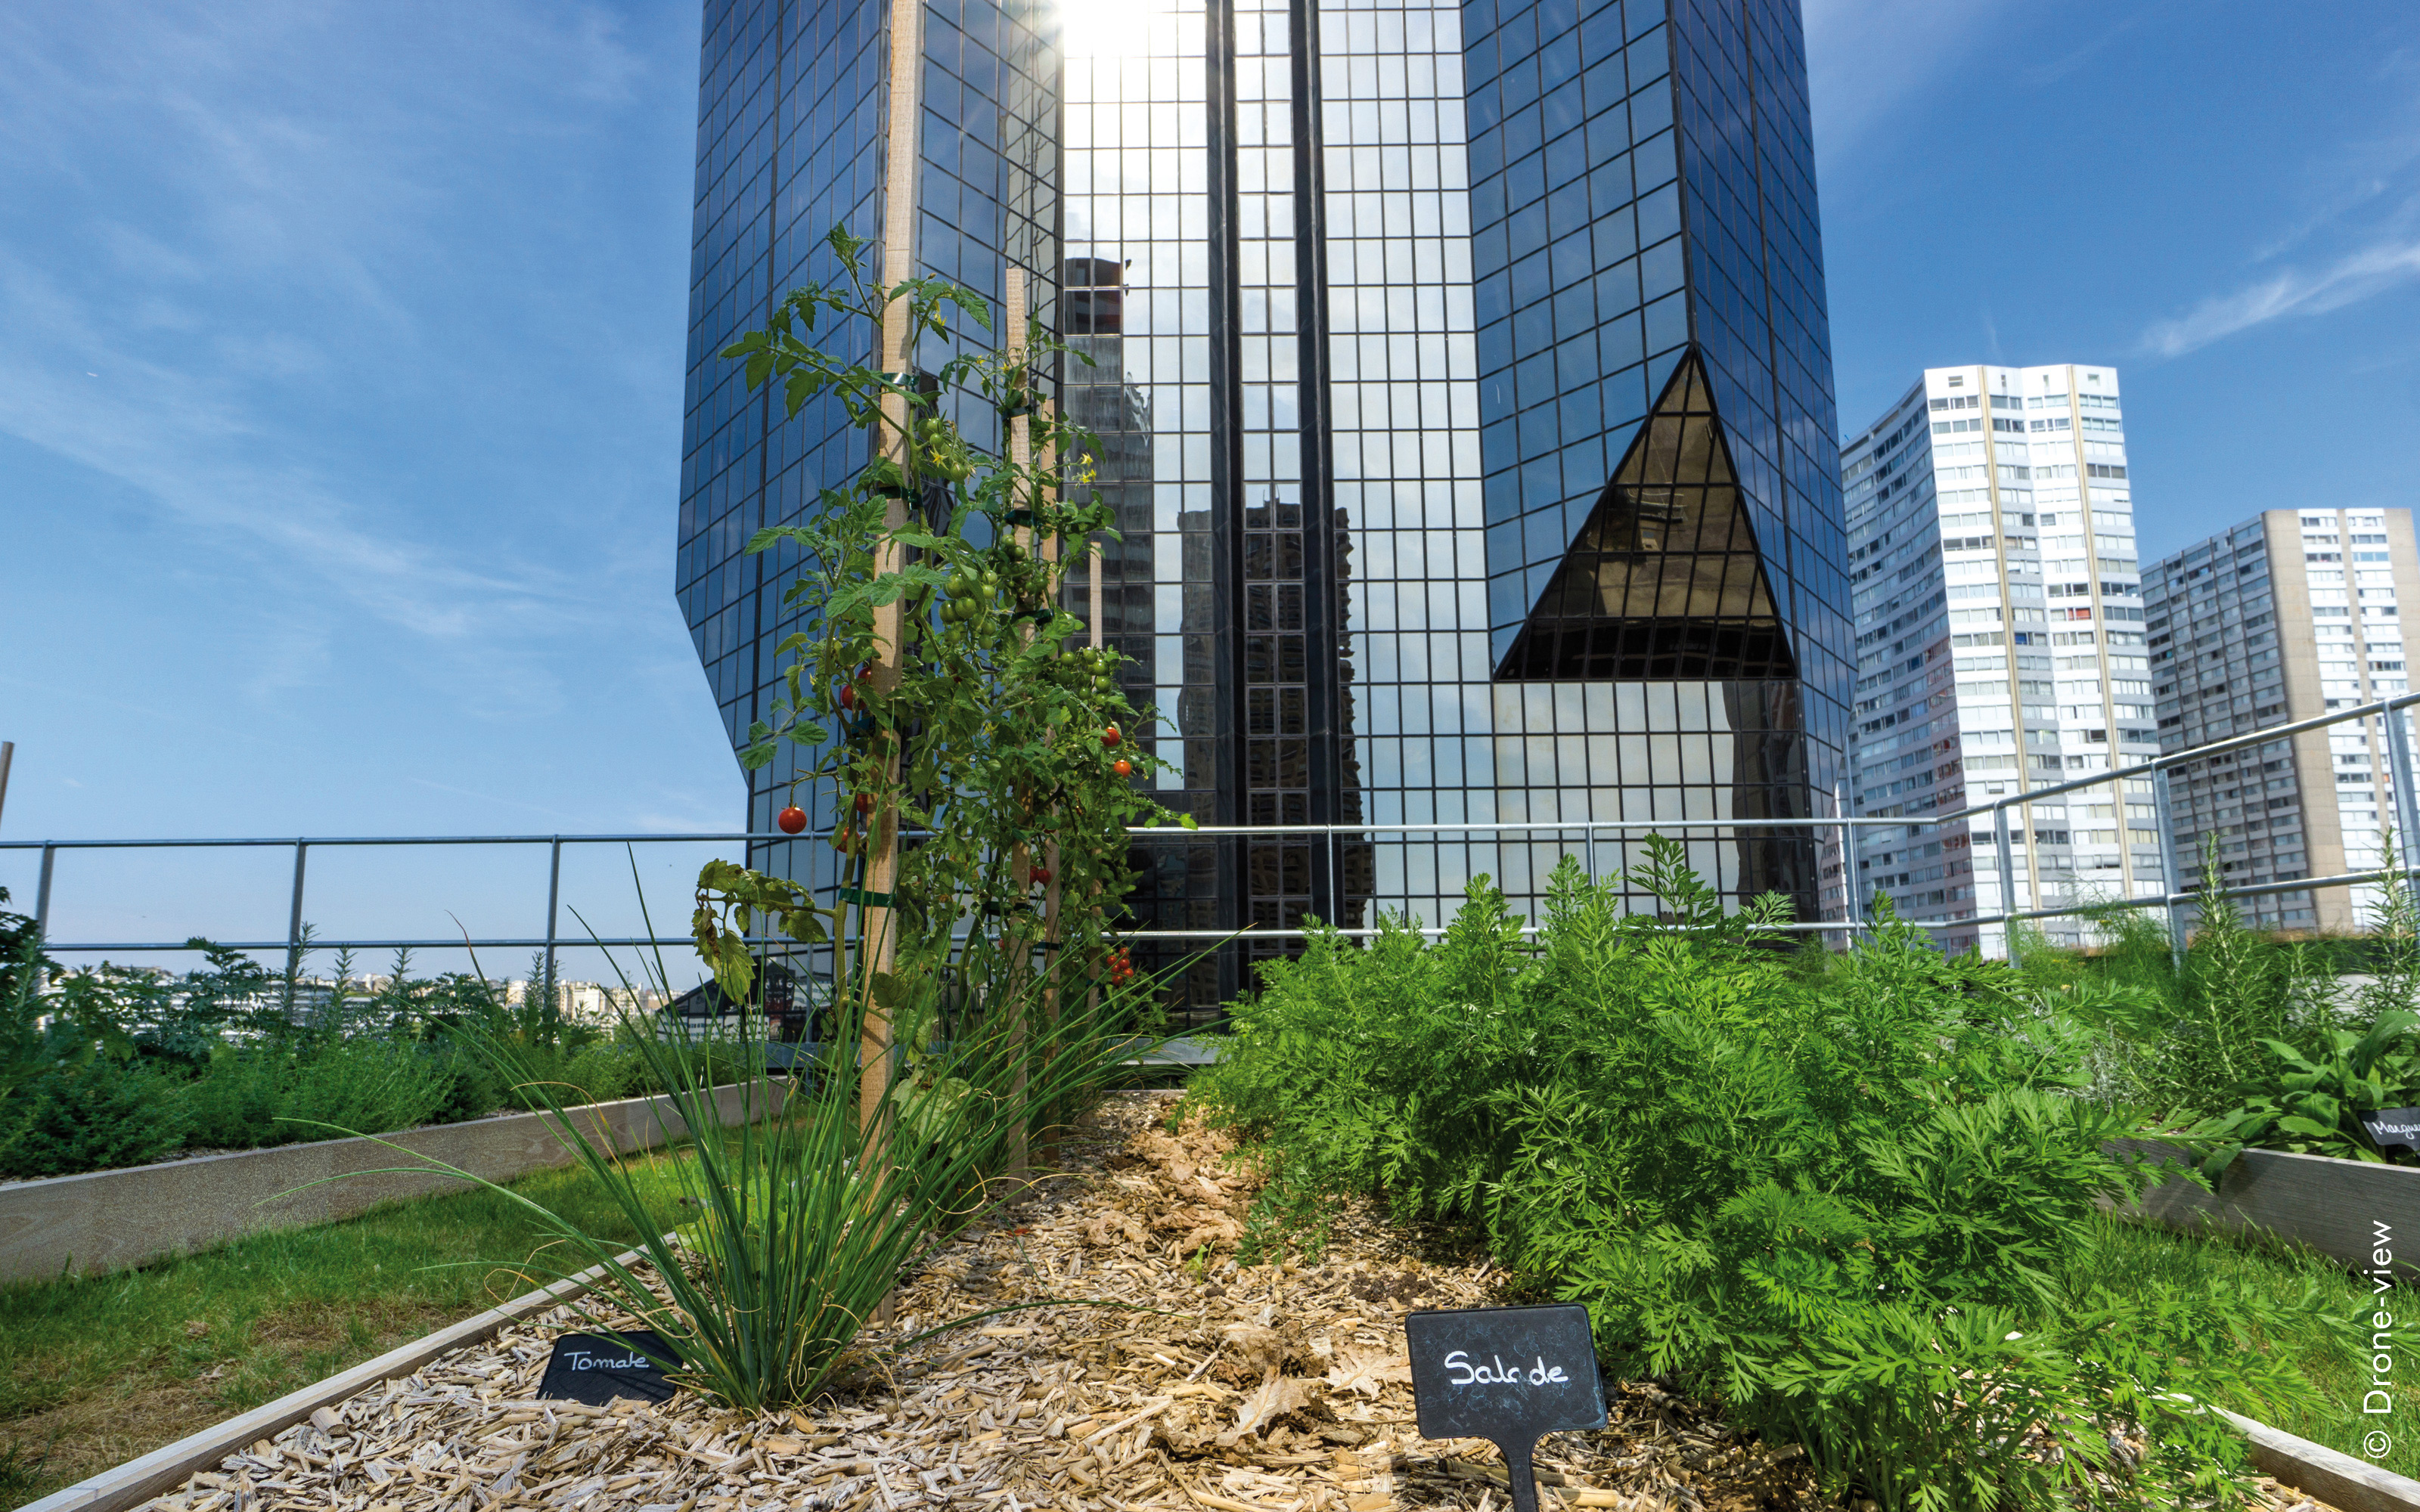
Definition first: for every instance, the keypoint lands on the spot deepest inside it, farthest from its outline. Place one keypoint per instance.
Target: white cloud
(2350, 279)
(225, 468)
(286, 238)
(1868, 59)
(2360, 206)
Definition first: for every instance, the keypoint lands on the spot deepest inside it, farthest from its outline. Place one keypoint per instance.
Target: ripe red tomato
(1041, 877)
(848, 695)
(865, 803)
(791, 819)
(1110, 737)
(1123, 767)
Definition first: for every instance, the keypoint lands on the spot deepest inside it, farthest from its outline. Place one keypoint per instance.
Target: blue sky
(2221, 199)
(340, 377)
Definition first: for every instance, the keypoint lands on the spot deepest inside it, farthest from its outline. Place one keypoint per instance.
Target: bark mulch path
(1273, 1388)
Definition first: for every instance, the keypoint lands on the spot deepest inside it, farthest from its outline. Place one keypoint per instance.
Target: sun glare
(1107, 28)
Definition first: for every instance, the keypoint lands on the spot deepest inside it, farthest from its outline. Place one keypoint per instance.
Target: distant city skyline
(339, 409)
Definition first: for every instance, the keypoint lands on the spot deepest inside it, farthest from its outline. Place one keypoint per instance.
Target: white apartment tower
(2291, 615)
(1999, 623)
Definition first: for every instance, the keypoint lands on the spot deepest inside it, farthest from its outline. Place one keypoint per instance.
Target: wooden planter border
(2333, 1206)
(164, 1470)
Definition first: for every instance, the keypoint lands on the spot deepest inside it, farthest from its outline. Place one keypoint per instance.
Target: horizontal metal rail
(286, 842)
(1590, 830)
(1171, 832)
(2159, 767)
(2341, 879)
(782, 942)
(2162, 763)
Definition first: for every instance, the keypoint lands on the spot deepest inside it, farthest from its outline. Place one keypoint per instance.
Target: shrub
(602, 1071)
(363, 1086)
(234, 1103)
(94, 1113)
(472, 1087)
(1839, 1201)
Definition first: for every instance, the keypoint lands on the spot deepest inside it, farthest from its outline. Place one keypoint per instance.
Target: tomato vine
(994, 756)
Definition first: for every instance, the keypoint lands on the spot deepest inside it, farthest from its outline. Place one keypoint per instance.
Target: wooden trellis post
(879, 946)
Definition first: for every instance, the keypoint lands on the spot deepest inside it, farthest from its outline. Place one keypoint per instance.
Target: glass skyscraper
(1464, 380)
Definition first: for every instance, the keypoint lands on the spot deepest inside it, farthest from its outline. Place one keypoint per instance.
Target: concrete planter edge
(98, 1222)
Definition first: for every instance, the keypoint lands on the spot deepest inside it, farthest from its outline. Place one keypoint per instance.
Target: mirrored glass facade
(1379, 299)
(792, 127)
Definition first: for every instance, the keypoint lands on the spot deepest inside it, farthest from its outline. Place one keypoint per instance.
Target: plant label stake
(591, 1368)
(1508, 1374)
(2392, 1126)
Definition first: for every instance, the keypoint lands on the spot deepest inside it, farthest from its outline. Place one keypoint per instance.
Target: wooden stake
(879, 946)
(1020, 454)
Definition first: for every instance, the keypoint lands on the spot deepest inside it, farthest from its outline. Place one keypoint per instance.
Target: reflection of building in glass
(1379, 300)
(2291, 615)
(1649, 303)
(2000, 644)
(1663, 583)
(1095, 393)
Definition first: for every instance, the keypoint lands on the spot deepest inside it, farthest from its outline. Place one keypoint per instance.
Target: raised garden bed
(1268, 1388)
(111, 1220)
(2350, 1210)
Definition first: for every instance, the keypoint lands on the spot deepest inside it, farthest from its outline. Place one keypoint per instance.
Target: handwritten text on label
(1467, 1374)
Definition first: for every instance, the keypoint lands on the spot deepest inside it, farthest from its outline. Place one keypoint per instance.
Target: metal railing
(2158, 769)
(297, 938)
(1592, 833)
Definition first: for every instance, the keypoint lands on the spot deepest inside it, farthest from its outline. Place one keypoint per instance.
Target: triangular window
(1664, 582)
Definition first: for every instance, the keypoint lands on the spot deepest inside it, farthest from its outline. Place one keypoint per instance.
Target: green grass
(2332, 1344)
(96, 1371)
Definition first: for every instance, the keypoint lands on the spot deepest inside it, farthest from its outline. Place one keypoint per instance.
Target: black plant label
(1508, 1374)
(2389, 1127)
(591, 1368)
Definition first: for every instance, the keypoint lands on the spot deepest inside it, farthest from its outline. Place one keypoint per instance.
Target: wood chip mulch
(1271, 1388)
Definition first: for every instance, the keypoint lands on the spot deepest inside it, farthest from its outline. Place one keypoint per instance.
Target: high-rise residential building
(2000, 644)
(1463, 378)
(2291, 615)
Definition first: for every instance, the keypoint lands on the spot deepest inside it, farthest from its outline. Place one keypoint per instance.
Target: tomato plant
(976, 737)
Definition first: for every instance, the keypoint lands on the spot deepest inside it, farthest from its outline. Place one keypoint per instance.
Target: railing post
(2008, 883)
(553, 892)
(294, 916)
(2406, 801)
(42, 896)
(294, 932)
(42, 908)
(1851, 906)
(2163, 814)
